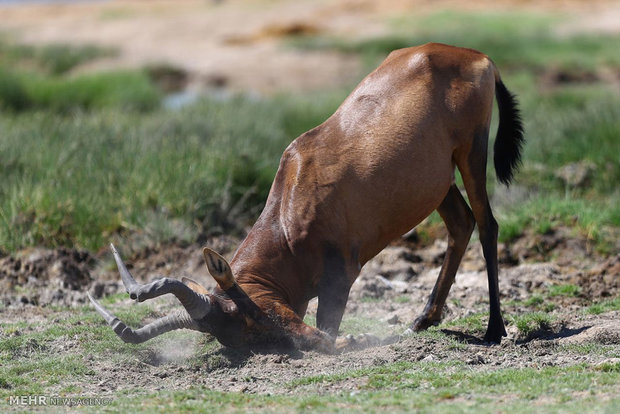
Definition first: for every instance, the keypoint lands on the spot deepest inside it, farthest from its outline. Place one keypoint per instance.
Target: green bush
(52, 59)
(13, 94)
(129, 90)
(33, 78)
(123, 89)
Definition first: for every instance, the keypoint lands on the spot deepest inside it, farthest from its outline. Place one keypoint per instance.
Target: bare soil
(391, 290)
(238, 45)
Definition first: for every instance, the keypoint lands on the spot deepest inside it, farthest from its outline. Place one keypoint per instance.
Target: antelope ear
(219, 269)
(195, 286)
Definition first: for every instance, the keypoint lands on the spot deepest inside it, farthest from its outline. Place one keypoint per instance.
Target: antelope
(371, 172)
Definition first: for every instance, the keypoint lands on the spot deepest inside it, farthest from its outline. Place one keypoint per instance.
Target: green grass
(160, 176)
(31, 362)
(534, 300)
(475, 323)
(406, 387)
(36, 77)
(537, 302)
(531, 322)
(604, 306)
(53, 59)
(360, 325)
(33, 376)
(129, 90)
(458, 379)
(116, 167)
(574, 124)
(594, 219)
(109, 173)
(402, 299)
(402, 386)
(589, 348)
(514, 41)
(527, 323)
(564, 290)
(357, 325)
(86, 325)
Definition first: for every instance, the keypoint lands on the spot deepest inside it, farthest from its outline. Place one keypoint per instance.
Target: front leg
(333, 294)
(303, 336)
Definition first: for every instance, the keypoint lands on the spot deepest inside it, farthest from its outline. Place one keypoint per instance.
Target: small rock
(393, 320)
(388, 284)
(405, 276)
(429, 358)
(475, 360)
(98, 290)
(607, 363)
(400, 286)
(280, 359)
(410, 256)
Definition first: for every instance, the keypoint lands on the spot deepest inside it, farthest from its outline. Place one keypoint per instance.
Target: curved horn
(128, 280)
(178, 320)
(196, 304)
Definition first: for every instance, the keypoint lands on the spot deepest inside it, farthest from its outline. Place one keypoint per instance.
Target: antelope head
(227, 313)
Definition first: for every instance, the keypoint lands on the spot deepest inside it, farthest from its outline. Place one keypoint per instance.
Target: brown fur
(376, 168)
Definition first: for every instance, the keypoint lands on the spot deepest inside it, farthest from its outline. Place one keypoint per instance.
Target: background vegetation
(85, 158)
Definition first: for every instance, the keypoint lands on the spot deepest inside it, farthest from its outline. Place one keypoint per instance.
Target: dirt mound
(390, 292)
(44, 276)
(47, 276)
(601, 281)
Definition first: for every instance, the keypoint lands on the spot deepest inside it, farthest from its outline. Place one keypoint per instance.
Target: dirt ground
(238, 45)
(390, 291)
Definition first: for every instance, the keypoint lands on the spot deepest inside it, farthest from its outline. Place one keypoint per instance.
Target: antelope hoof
(494, 334)
(423, 322)
(355, 343)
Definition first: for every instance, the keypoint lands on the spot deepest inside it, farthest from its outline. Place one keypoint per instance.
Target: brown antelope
(375, 169)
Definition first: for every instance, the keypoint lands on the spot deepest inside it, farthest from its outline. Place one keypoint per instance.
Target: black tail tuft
(509, 140)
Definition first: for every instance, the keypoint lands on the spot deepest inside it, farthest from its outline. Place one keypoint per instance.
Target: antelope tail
(509, 140)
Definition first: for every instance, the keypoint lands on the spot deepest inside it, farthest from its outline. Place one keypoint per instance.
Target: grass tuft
(564, 290)
(604, 306)
(532, 322)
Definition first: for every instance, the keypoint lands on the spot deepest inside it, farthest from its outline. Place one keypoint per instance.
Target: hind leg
(460, 223)
(473, 171)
